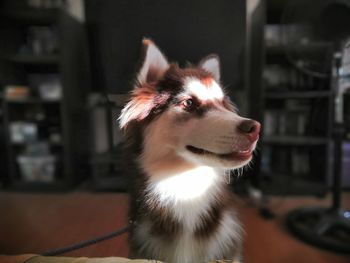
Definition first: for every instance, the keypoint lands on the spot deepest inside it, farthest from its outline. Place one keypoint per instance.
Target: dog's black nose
(250, 128)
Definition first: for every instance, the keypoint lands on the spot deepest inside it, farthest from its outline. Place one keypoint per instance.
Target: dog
(184, 133)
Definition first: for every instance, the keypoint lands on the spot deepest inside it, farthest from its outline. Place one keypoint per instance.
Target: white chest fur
(188, 196)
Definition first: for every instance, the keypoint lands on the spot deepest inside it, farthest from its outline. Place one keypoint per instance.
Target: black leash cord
(82, 244)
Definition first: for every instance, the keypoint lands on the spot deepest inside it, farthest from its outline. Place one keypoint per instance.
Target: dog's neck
(189, 185)
(173, 179)
(188, 195)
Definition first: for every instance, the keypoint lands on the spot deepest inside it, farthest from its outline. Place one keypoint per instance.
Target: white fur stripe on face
(195, 87)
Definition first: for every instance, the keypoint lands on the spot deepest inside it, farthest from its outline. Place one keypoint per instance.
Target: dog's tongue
(234, 155)
(237, 155)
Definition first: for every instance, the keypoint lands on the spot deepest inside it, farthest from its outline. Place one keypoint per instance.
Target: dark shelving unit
(297, 94)
(32, 101)
(66, 115)
(296, 141)
(309, 48)
(285, 185)
(3, 174)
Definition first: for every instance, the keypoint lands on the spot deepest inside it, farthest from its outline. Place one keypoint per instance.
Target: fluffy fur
(184, 133)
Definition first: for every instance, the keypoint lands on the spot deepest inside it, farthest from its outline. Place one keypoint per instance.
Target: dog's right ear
(154, 63)
(139, 106)
(144, 97)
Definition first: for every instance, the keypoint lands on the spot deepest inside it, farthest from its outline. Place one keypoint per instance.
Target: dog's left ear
(154, 63)
(211, 64)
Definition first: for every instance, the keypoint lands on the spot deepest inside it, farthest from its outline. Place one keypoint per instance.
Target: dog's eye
(188, 104)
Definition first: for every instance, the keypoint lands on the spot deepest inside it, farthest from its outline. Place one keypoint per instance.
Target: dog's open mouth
(239, 155)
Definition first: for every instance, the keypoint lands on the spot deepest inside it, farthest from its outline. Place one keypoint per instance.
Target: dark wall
(185, 31)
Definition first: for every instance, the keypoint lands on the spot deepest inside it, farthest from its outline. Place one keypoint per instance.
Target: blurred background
(66, 67)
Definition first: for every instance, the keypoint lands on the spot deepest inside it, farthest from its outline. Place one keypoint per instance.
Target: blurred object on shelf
(270, 122)
(55, 136)
(293, 120)
(41, 40)
(46, 4)
(51, 89)
(273, 35)
(36, 164)
(281, 78)
(23, 132)
(37, 149)
(37, 168)
(17, 92)
(276, 77)
(300, 162)
(48, 85)
(34, 113)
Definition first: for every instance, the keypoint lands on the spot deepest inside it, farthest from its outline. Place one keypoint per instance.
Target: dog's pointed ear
(211, 64)
(139, 106)
(143, 96)
(154, 64)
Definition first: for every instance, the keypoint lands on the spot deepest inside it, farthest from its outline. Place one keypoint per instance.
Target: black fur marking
(148, 208)
(201, 111)
(209, 222)
(163, 224)
(173, 79)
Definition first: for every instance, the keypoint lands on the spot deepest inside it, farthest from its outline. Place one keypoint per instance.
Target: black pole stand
(327, 228)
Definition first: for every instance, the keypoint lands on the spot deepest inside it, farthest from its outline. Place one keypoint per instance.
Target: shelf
(295, 140)
(34, 59)
(32, 101)
(297, 94)
(56, 144)
(70, 62)
(289, 185)
(311, 48)
(32, 16)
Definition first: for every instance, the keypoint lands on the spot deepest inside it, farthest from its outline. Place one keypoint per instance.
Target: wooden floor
(32, 223)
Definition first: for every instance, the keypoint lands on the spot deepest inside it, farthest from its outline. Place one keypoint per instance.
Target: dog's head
(184, 118)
